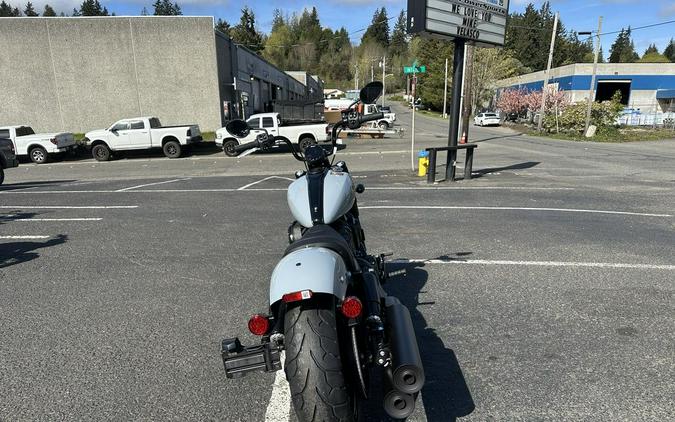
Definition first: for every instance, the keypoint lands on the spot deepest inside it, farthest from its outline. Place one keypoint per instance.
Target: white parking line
(279, 407)
(48, 219)
(245, 188)
(68, 207)
(150, 184)
(24, 237)
(262, 180)
(536, 263)
(448, 207)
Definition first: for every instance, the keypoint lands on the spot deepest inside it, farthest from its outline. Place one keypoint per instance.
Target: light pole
(595, 70)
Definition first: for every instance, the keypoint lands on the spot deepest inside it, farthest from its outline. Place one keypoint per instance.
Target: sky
(579, 15)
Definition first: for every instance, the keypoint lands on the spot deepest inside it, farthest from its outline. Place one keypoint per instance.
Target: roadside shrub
(397, 98)
(603, 115)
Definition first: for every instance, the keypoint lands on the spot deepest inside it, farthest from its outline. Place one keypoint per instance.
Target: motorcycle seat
(324, 236)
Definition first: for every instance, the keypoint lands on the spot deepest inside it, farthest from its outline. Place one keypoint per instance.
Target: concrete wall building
(645, 88)
(82, 73)
(313, 83)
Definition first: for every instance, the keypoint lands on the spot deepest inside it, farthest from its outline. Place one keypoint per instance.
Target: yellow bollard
(422, 163)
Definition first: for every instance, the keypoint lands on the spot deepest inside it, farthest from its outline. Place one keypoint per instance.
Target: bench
(452, 159)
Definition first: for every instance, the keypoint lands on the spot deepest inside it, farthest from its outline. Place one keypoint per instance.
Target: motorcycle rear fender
(317, 269)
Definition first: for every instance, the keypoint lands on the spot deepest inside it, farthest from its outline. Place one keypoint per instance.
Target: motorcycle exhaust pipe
(407, 370)
(397, 405)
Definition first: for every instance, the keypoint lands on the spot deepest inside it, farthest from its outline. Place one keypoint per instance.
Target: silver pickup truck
(7, 157)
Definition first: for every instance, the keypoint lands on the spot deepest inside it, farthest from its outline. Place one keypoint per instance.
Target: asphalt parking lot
(540, 290)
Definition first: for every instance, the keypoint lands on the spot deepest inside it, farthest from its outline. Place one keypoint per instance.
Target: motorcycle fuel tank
(336, 199)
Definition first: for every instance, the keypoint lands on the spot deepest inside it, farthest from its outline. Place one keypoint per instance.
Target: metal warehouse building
(82, 73)
(646, 88)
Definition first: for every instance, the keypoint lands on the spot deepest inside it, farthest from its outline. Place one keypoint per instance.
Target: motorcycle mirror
(238, 128)
(370, 92)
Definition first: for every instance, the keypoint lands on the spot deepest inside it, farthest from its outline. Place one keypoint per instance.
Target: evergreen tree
(432, 54)
(399, 43)
(277, 19)
(623, 49)
(145, 12)
(245, 32)
(92, 8)
(378, 31)
(7, 11)
(30, 10)
(166, 8)
(651, 49)
(669, 52)
(334, 62)
(223, 26)
(654, 57)
(48, 11)
(76, 12)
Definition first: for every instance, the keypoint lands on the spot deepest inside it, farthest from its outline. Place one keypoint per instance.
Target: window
(254, 123)
(121, 126)
(4, 133)
(154, 123)
(137, 124)
(490, 115)
(24, 130)
(268, 122)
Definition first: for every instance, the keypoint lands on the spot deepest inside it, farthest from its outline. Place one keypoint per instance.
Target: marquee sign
(481, 22)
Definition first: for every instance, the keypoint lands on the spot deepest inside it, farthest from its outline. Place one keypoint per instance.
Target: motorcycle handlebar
(246, 146)
(371, 117)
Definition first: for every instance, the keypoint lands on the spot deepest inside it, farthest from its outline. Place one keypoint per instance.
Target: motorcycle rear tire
(313, 363)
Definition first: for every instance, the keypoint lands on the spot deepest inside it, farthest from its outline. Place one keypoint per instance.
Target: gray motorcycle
(327, 308)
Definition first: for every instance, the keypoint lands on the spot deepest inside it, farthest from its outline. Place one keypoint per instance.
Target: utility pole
(384, 68)
(372, 72)
(457, 73)
(445, 91)
(466, 95)
(548, 70)
(356, 77)
(591, 89)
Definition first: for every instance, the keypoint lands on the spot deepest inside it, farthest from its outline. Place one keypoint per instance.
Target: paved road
(542, 290)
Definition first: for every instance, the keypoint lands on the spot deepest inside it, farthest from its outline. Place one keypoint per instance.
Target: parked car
(418, 105)
(37, 146)
(7, 157)
(139, 133)
(301, 133)
(486, 119)
(386, 122)
(384, 109)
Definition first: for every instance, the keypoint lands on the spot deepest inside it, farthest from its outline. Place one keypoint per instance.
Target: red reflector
(351, 307)
(258, 324)
(296, 296)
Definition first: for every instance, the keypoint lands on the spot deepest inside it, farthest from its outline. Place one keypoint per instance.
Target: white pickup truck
(141, 133)
(384, 123)
(37, 146)
(301, 134)
(342, 104)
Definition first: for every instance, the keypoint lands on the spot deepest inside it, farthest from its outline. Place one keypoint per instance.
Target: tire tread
(313, 358)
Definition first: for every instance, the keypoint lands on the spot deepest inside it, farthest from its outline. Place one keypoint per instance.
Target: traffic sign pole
(412, 131)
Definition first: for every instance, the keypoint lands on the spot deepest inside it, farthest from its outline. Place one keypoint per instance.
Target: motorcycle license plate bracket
(239, 361)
